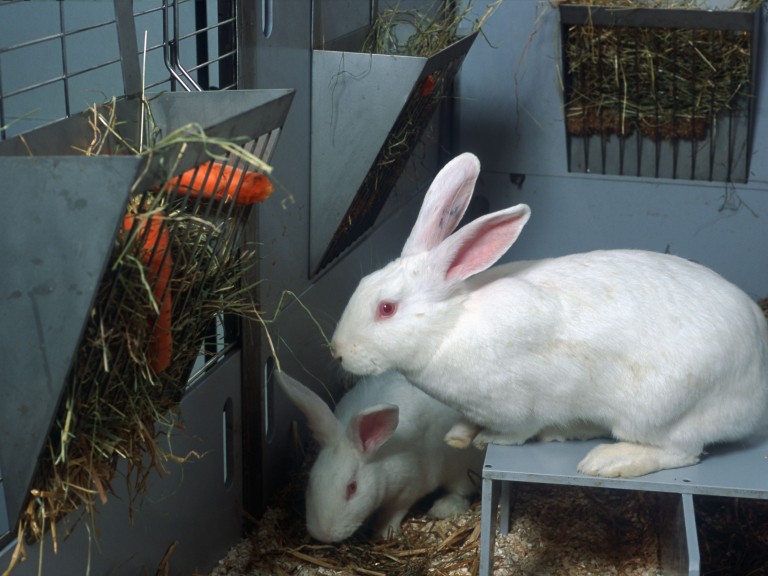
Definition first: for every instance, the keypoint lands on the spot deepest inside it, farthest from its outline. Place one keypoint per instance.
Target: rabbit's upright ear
(444, 204)
(322, 422)
(478, 245)
(372, 427)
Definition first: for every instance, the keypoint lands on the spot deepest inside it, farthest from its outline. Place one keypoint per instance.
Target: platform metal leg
(679, 541)
(691, 537)
(488, 524)
(505, 507)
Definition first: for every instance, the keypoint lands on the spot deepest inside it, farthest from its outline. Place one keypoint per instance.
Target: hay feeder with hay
(375, 92)
(135, 213)
(662, 91)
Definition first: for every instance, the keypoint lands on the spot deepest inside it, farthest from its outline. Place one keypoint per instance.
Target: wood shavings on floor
(555, 530)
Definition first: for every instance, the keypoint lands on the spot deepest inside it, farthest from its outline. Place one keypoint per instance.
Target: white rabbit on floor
(660, 353)
(380, 452)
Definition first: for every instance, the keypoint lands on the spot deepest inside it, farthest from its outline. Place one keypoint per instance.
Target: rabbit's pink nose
(335, 353)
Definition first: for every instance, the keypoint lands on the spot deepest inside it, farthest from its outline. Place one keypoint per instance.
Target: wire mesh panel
(57, 58)
(659, 93)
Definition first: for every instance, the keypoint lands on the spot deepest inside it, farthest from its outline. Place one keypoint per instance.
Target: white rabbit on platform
(380, 453)
(660, 353)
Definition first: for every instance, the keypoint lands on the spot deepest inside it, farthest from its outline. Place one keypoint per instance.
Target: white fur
(395, 460)
(656, 351)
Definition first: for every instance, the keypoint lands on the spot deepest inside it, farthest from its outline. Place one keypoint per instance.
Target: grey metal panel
(334, 18)
(59, 219)
(356, 99)
(190, 505)
(717, 226)
(367, 117)
(129, 49)
(738, 469)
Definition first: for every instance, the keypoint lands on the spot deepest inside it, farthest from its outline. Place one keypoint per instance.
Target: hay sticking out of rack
(116, 406)
(421, 33)
(667, 83)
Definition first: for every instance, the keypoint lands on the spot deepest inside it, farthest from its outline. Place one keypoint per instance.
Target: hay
(115, 406)
(667, 83)
(418, 32)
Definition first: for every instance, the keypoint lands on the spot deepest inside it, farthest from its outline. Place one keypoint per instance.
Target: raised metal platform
(738, 470)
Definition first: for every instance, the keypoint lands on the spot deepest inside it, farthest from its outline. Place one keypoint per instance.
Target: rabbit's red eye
(351, 490)
(386, 309)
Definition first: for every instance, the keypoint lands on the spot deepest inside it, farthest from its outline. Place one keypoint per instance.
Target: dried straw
(421, 32)
(665, 82)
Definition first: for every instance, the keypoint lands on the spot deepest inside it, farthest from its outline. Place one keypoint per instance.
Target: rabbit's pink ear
(372, 427)
(479, 244)
(444, 204)
(321, 421)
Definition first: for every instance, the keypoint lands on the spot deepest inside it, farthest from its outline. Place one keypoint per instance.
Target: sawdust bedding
(554, 531)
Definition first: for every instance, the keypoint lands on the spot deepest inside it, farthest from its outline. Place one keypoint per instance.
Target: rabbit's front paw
(628, 460)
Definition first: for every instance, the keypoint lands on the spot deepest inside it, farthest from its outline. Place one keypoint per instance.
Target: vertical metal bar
(754, 46)
(177, 43)
(128, 47)
(600, 120)
(620, 136)
(3, 131)
(505, 505)
(202, 50)
(64, 67)
(657, 114)
(638, 112)
(676, 72)
(694, 102)
(227, 33)
(566, 91)
(168, 49)
(712, 118)
(489, 505)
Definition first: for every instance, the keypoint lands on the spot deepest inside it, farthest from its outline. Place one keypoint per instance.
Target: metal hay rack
(97, 247)
(659, 92)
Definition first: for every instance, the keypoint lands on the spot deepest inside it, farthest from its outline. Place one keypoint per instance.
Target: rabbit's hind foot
(628, 460)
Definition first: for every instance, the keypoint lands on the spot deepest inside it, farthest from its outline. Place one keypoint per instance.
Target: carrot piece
(428, 85)
(218, 181)
(155, 255)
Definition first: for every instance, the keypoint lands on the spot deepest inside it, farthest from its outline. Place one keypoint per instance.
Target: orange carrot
(156, 256)
(218, 181)
(428, 85)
